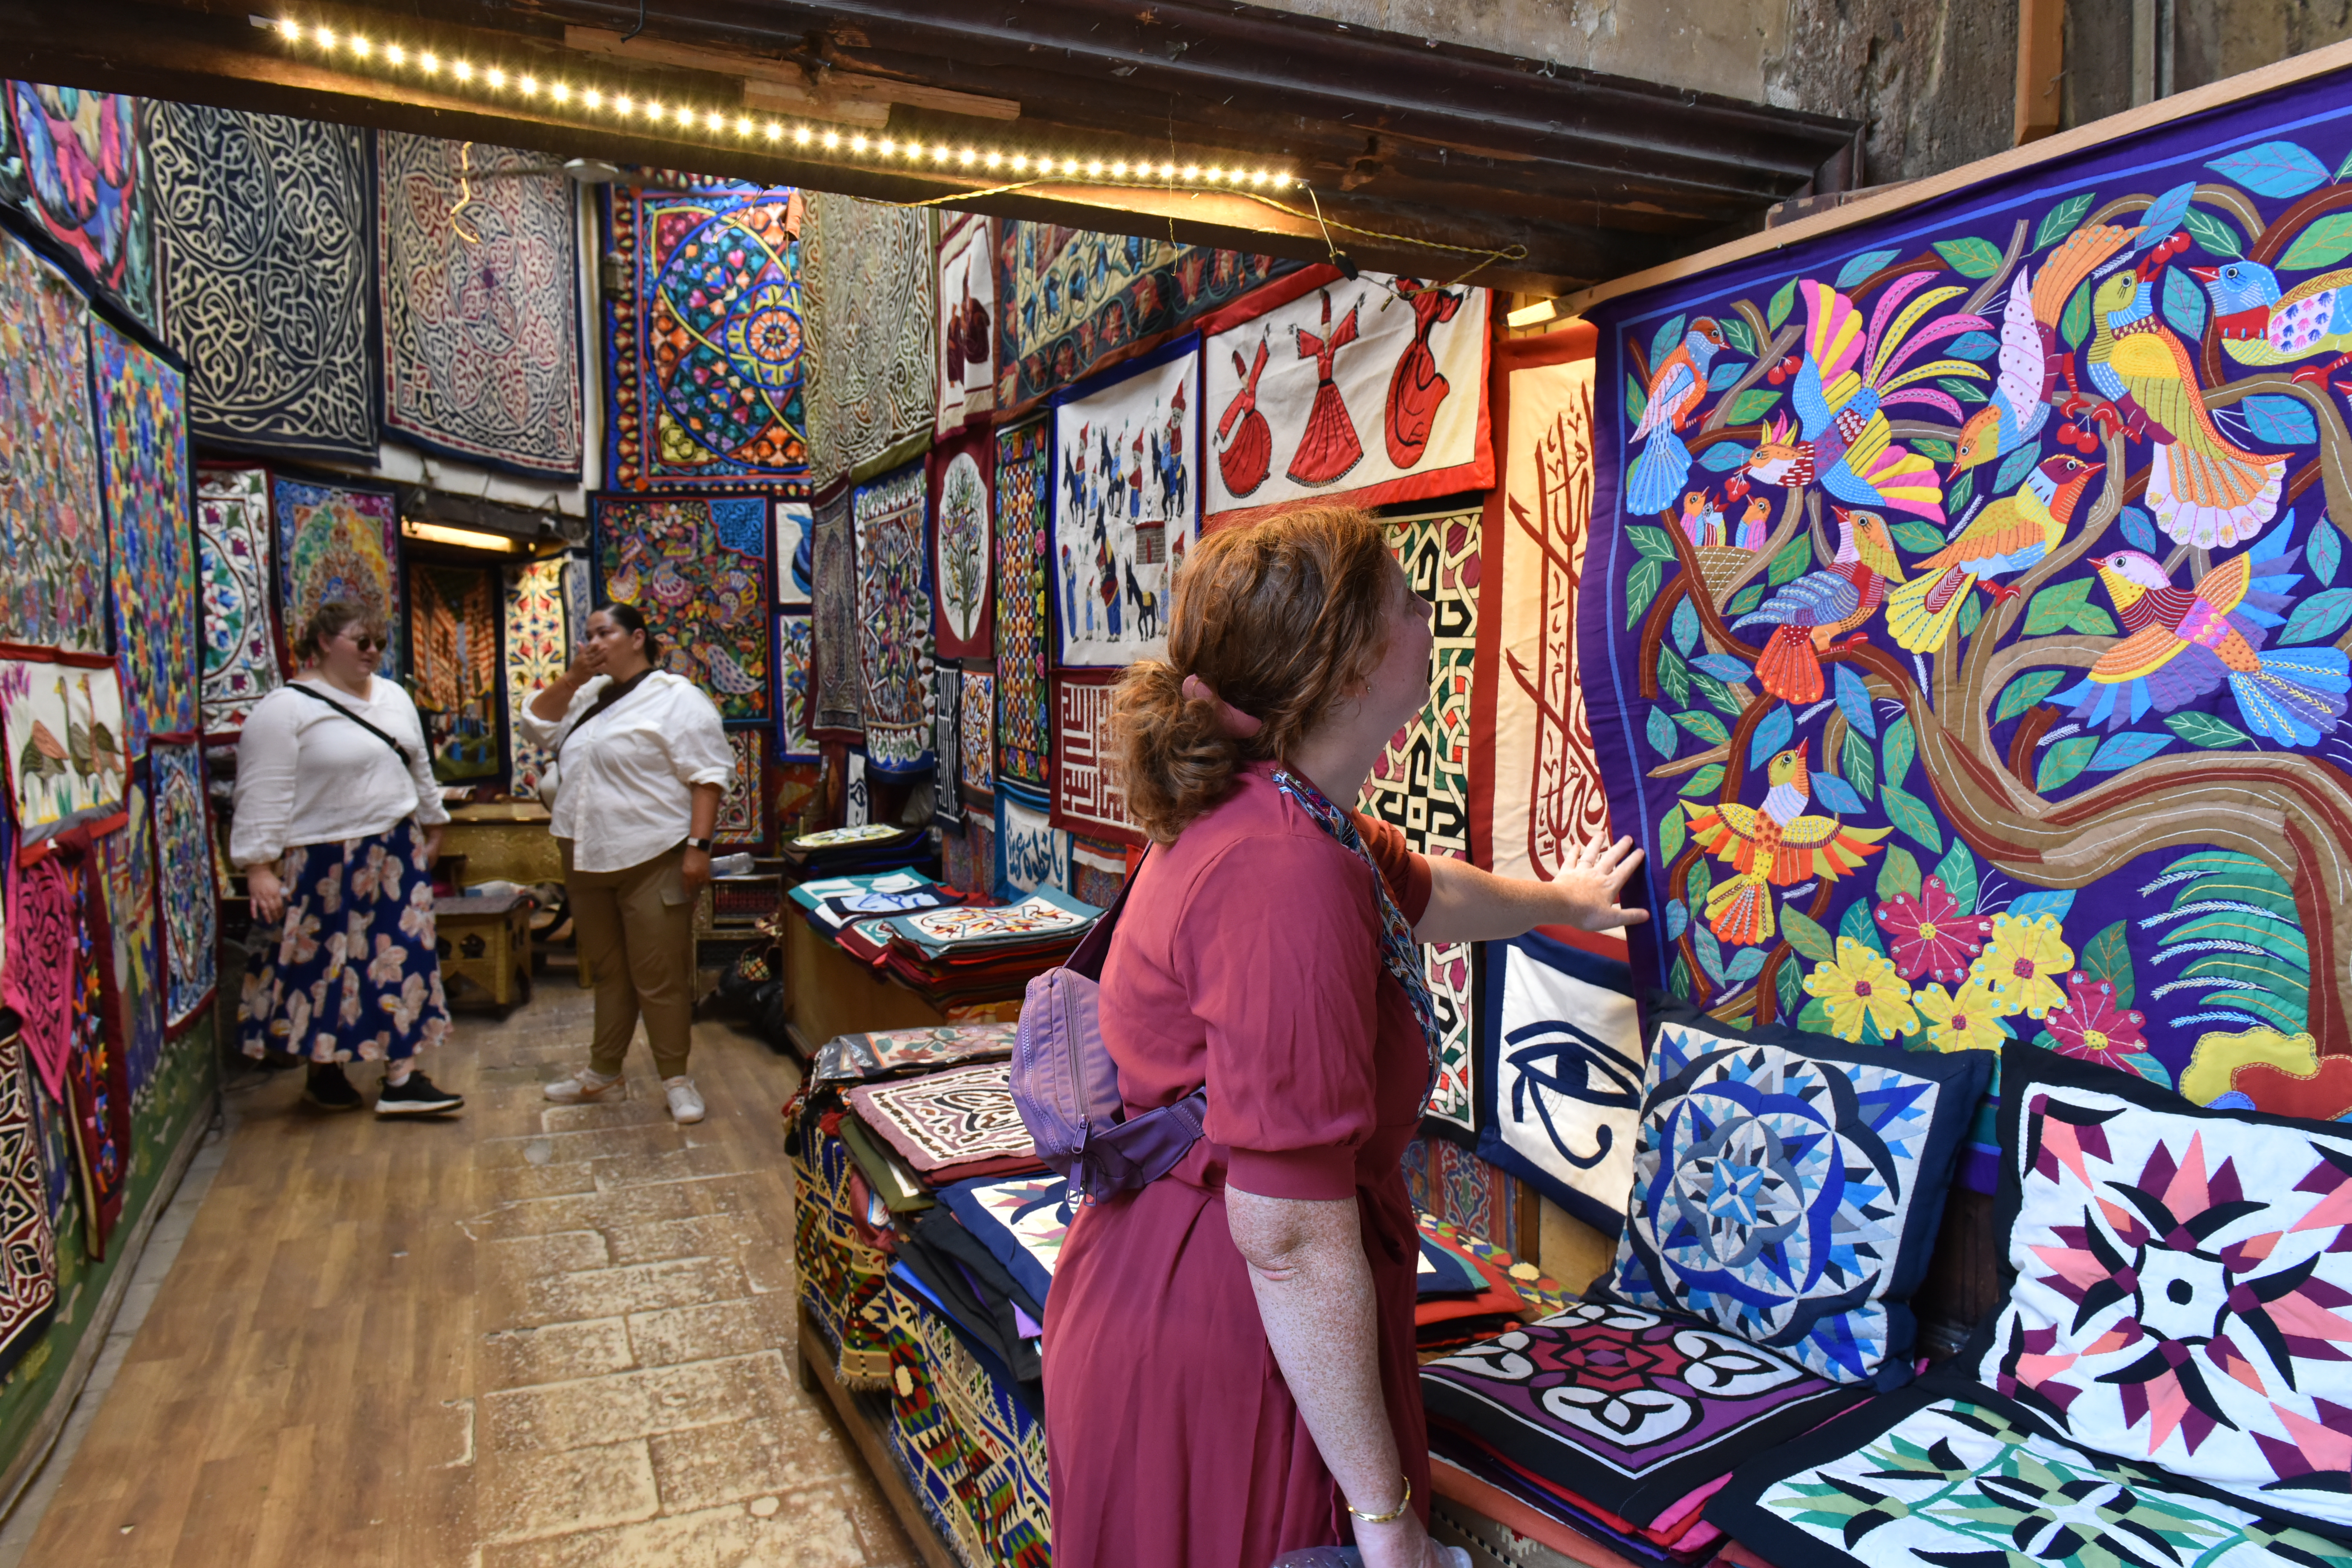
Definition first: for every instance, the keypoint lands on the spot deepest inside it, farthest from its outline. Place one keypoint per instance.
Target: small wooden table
(486, 942)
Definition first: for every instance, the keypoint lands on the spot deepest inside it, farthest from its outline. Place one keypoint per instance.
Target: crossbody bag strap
(318, 696)
(1087, 957)
(612, 696)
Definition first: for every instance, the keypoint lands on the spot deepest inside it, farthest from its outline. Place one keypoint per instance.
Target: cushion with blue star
(1787, 1186)
(2180, 1283)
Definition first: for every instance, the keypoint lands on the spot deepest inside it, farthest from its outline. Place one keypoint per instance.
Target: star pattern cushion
(1787, 1188)
(2180, 1283)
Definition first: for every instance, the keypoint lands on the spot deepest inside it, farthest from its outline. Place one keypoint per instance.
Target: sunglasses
(367, 644)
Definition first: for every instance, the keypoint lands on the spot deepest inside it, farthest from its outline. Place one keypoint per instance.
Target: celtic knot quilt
(144, 477)
(235, 550)
(52, 532)
(705, 375)
(698, 568)
(1789, 1190)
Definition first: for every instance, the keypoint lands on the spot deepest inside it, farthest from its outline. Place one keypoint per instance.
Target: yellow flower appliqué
(1961, 1023)
(2025, 964)
(1862, 985)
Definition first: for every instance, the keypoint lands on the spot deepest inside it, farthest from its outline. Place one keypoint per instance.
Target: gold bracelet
(1395, 1514)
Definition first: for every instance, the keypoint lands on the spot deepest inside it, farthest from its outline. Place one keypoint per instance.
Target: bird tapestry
(967, 320)
(697, 569)
(962, 565)
(237, 604)
(479, 293)
(894, 623)
(340, 542)
(705, 375)
(63, 726)
(1965, 613)
(265, 245)
(52, 532)
(1024, 631)
(1322, 387)
(873, 387)
(186, 888)
(536, 648)
(143, 476)
(1126, 505)
(453, 638)
(86, 184)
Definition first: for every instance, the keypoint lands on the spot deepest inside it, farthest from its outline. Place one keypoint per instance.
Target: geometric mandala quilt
(2180, 1284)
(1788, 1188)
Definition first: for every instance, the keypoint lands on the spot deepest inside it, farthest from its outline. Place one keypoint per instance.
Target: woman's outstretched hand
(1590, 883)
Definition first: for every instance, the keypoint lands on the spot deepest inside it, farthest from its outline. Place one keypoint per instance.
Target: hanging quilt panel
(339, 541)
(1447, 1180)
(98, 1079)
(88, 184)
(183, 858)
(1559, 1074)
(980, 827)
(29, 1245)
(967, 319)
(1126, 506)
(479, 281)
(705, 372)
(1087, 797)
(873, 304)
(52, 530)
(138, 996)
(63, 724)
(537, 650)
(893, 622)
(795, 555)
(840, 684)
(265, 238)
(950, 1118)
(1073, 301)
(1024, 631)
(976, 735)
(697, 568)
(143, 475)
(961, 566)
(453, 638)
(1097, 872)
(957, 868)
(1369, 390)
(44, 950)
(795, 671)
(791, 796)
(1030, 852)
(946, 806)
(742, 821)
(236, 550)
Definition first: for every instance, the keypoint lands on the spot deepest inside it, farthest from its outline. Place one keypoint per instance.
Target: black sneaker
(327, 1088)
(415, 1096)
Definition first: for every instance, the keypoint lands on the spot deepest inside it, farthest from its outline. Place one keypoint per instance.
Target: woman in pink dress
(1229, 1351)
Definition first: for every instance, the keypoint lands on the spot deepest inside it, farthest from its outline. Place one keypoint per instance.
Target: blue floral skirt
(353, 973)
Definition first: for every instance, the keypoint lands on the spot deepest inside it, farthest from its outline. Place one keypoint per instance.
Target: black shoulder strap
(316, 695)
(613, 693)
(1086, 959)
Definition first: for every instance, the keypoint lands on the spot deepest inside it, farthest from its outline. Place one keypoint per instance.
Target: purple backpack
(1066, 1086)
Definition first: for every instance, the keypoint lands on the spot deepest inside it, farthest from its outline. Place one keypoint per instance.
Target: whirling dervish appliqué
(1846, 382)
(1246, 450)
(2260, 325)
(2011, 535)
(1327, 448)
(2031, 358)
(1416, 387)
(1677, 386)
(1808, 614)
(2184, 643)
(1774, 845)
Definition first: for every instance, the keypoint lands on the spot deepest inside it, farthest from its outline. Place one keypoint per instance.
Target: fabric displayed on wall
(980, 829)
(967, 344)
(41, 975)
(1097, 872)
(873, 303)
(792, 795)
(795, 689)
(137, 996)
(1557, 1075)
(185, 886)
(1447, 1181)
(1030, 852)
(840, 682)
(1024, 630)
(2007, 697)
(339, 541)
(1125, 505)
(52, 530)
(67, 763)
(950, 1118)
(962, 567)
(1071, 302)
(97, 1077)
(705, 375)
(697, 568)
(893, 622)
(28, 1246)
(264, 241)
(947, 747)
(537, 650)
(479, 293)
(143, 476)
(742, 821)
(1087, 797)
(1373, 389)
(795, 555)
(976, 735)
(237, 604)
(87, 180)
(453, 638)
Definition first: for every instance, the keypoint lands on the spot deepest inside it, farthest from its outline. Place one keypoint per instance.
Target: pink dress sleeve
(1280, 957)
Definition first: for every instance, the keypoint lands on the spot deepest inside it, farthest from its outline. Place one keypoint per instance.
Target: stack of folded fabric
(1469, 1289)
(874, 846)
(971, 954)
(899, 1053)
(834, 904)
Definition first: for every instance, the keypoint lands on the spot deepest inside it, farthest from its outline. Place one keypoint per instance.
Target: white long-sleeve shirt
(306, 774)
(625, 779)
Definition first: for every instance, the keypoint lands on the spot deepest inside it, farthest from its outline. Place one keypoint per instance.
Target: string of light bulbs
(623, 108)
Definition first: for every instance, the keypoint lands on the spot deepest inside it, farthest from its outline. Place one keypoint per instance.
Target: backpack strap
(318, 696)
(1087, 958)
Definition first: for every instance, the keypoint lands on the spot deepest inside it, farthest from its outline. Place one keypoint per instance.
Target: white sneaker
(685, 1102)
(584, 1085)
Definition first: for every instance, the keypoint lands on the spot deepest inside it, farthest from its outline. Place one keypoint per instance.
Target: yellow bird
(1776, 844)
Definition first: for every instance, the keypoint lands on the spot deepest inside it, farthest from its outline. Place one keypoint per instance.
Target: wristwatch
(702, 844)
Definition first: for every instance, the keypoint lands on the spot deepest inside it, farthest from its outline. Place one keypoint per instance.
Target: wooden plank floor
(530, 1334)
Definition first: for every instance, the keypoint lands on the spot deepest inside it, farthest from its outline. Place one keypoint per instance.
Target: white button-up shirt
(306, 774)
(625, 779)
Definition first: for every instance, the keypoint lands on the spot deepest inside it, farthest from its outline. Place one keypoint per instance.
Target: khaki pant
(635, 929)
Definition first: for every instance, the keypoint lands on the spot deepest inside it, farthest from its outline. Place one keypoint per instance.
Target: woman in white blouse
(640, 758)
(337, 823)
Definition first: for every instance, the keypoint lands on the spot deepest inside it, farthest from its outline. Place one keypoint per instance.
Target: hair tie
(1230, 719)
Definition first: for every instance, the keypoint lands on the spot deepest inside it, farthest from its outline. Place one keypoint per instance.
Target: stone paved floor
(535, 1335)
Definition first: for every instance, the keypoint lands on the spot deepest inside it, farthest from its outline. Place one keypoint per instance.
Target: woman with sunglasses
(337, 824)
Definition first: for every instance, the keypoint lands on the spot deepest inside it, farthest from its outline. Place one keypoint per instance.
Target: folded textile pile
(1469, 1288)
(897, 1053)
(970, 953)
(874, 846)
(833, 904)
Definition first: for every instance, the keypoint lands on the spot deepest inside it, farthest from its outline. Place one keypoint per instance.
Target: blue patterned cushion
(1787, 1188)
